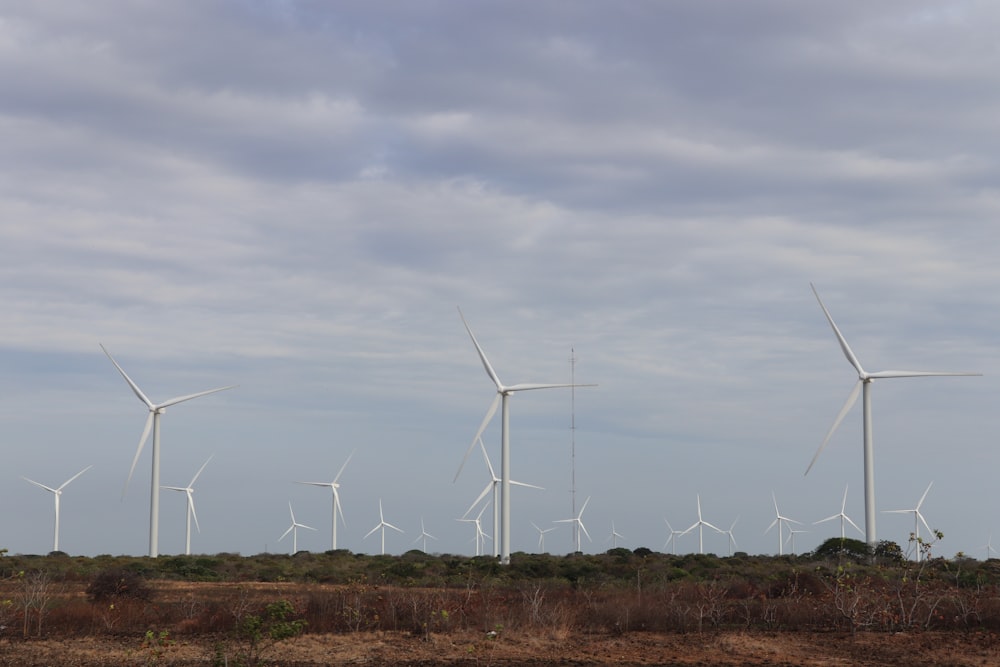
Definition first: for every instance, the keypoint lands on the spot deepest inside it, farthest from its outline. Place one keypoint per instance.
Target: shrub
(119, 584)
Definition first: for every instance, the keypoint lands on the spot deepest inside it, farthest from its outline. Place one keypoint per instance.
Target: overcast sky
(295, 196)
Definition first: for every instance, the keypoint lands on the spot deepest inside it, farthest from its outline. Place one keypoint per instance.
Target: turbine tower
(57, 492)
(503, 394)
(864, 381)
(189, 490)
(334, 485)
(153, 423)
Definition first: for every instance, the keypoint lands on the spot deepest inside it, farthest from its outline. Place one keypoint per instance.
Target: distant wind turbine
(989, 548)
(541, 536)
(780, 521)
(844, 519)
(382, 525)
(614, 537)
(791, 538)
(337, 509)
(481, 537)
(423, 536)
(189, 490)
(153, 424)
(578, 522)
(918, 518)
(494, 486)
(700, 525)
(56, 493)
(294, 530)
(732, 540)
(503, 394)
(864, 381)
(672, 538)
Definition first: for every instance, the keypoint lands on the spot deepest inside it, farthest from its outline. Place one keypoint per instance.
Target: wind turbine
(189, 490)
(578, 521)
(780, 521)
(732, 540)
(423, 535)
(153, 424)
(337, 509)
(842, 516)
(989, 547)
(383, 524)
(57, 492)
(613, 538)
(865, 380)
(700, 525)
(503, 394)
(294, 530)
(791, 538)
(494, 485)
(672, 539)
(541, 536)
(481, 537)
(918, 518)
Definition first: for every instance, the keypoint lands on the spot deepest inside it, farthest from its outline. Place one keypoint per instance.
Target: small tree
(836, 548)
(259, 632)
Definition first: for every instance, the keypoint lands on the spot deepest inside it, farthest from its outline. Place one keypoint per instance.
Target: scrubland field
(621, 607)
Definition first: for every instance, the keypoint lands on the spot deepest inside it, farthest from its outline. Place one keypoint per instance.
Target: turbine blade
(584, 529)
(486, 456)
(924, 521)
(489, 487)
(580, 515)
(925, 495)
(195, 478)
(840, 337)
(529, 386)
(854, 524)
(371, 531)
(482, 355)
(341, 471)
(135, 387)
(181, 399)
(194, 515)
(829, 518)
(47, 488)
(530, 486)
(285, 534)
(482, 427)
(917, 374)
(851, 400)
(389, 525)
(336, 501)
(66, 483)
(138, 451)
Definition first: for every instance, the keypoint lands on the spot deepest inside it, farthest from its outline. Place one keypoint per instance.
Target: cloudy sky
(295, 196)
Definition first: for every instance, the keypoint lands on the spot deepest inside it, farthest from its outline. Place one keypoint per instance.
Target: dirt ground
(723, 648)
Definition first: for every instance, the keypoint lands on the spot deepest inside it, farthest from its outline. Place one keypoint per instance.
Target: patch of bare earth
(468, 648)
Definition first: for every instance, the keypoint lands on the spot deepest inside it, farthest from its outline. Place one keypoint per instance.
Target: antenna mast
(572, 431)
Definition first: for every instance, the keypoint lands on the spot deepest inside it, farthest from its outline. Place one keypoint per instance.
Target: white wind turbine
(732, 540)
(791, 538)
(672, 539)
(918, 518)
(844, 519)
(57, 492)
(294, 530)
(153, 424)
(481, 537)
(189, 490)
(700, 525)
(989, 548)
(614, 537)
(337, 509)
(780, 521)
(494, 485)
(503, 394)
(382, 524)
(864, 381)
(578, 521)
(541, 536)
(423, 536)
